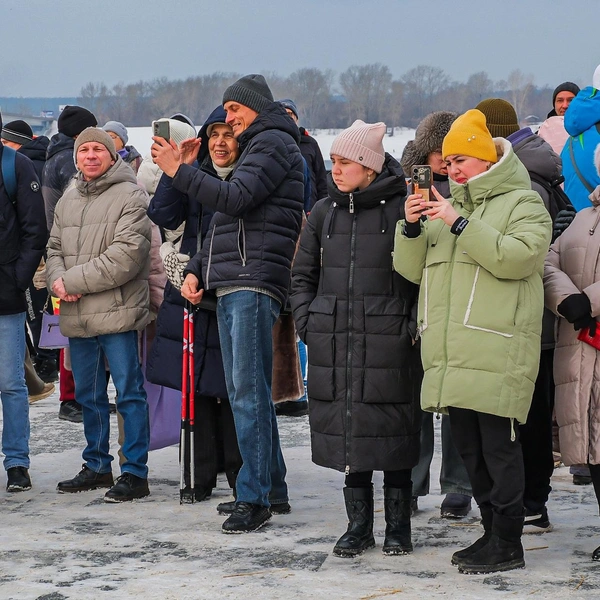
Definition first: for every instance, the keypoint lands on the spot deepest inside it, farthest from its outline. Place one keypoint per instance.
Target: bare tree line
(367, 92)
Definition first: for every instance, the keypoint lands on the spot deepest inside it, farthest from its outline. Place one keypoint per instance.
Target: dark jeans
(453, 475)
(536, 438)
(395, 479)
(494, 462)
(595, 474)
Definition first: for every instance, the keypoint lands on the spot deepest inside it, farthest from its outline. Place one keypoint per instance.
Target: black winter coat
(258, 210)
(316, 167)
(23, 236)
(168, 209)
(35, 151)
(354, 313)
(58, 172)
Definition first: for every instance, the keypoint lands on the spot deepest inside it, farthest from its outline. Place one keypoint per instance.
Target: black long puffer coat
(354, 313)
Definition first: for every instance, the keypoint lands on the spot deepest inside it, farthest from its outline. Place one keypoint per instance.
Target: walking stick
(192, 399)
(184, 401)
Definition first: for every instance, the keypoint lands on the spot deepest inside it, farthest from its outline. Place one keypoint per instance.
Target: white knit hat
(596, 78)
(362, 143)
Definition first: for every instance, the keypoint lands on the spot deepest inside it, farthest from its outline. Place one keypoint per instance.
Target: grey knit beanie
(118, 129)
(251, 91)
(95, 134)
(362, 143)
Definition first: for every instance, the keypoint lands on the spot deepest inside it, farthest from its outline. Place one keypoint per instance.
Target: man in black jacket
(23, 238)
(247, 259)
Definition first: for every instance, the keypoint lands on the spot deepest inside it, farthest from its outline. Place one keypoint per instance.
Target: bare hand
(440, 208)
(413, 208)
(189, 289)
(166, 155)
(58, 287)
(188, 150)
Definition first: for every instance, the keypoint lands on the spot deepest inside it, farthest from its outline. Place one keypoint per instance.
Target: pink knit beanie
(362, 143)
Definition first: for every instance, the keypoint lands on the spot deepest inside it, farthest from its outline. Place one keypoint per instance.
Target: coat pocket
(320, 341)
(387, 347)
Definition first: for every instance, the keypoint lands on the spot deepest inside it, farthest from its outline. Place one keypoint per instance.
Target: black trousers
(536, 438)
(595, 473)
(494, 462)
(395, 479)
(215, 443)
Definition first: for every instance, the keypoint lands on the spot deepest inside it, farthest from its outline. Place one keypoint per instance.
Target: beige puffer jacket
(573, 266)
(100, 246)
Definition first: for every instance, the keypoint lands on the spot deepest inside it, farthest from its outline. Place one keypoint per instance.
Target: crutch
(191, 395)
(184, 401)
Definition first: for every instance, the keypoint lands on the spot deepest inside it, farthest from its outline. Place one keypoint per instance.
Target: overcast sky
(53, 48)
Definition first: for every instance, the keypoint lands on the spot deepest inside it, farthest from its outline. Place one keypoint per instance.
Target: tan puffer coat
(573, 266)
(100, 246)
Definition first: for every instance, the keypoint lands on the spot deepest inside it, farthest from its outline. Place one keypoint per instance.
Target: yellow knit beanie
(469, 136)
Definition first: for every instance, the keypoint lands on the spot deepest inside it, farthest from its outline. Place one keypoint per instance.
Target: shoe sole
(111, 500)
(274, 511)
(90, 489)
(17, 488)
(344, 553)
(483, 569)
(395, 551)
(69, 419)
(537, 530)
(454, 513)
(236, 531)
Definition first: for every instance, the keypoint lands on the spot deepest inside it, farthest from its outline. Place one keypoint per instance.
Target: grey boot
(504, 550)
(397, 521)
(359, 535)
(487, 515)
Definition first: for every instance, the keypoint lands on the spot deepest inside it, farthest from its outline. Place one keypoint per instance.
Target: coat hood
(272, 117)
(389, 183)
(583, 112)
(58, 143)
(119, 172)
(538, 157)
(36, 149)
(508, 174)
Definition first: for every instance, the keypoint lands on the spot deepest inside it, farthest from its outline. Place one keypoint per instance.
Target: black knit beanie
(251, 91)
(18, 132)
(74, 119)
(500, 117)
(567, 86)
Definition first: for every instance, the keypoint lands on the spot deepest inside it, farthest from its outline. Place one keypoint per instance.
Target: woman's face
(222, 146)
(349, 175)
(461, 168)
(119, 145)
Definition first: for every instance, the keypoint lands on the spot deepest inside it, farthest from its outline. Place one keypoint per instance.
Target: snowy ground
(141, 138)
(55, 546)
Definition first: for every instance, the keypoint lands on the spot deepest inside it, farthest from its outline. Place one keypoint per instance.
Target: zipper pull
(321, 257)
(347, 471)
(351, 207)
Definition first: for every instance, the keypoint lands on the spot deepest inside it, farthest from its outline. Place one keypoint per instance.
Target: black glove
(575, 307)
(562, 221)
(583, 322)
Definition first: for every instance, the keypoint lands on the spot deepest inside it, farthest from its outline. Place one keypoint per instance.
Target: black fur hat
(429, 136)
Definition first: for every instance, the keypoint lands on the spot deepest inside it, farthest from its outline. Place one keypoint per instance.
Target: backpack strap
(583, 180)
(9, 173)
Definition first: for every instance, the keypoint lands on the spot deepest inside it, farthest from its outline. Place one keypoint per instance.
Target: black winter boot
(487, 515)
(504, 550)
(397, 521)
(359, 535)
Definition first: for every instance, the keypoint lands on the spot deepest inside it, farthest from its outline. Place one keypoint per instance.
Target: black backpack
(558, 199)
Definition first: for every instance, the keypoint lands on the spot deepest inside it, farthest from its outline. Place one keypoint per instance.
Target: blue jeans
(89, 372)
(246, 322)
(13, 392)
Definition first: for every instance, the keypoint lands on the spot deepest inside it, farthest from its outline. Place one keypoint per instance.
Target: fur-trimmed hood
(429, 136)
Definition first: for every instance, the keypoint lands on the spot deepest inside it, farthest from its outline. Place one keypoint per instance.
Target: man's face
(562, 101)
(93, 160)
(10, 144)
(239, 117)
(290, 112)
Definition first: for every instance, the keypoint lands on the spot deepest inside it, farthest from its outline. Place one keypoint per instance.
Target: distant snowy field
(141, 138)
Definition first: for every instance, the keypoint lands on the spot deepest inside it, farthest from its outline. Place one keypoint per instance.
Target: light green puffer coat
(481, 298)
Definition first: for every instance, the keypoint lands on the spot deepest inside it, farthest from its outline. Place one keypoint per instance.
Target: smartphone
(584, 336)
(421, 181)
(161, 129)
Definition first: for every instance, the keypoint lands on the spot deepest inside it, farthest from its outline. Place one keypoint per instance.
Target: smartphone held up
(421, 181)
(161, 129)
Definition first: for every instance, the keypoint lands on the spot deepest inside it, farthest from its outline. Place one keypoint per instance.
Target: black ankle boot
(359, 535)
(397, 521)
(504, 550)
(596, 554)
(486, 520)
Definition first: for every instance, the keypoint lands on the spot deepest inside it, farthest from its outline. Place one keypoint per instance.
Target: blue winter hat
(118, 129)
(287, 103)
